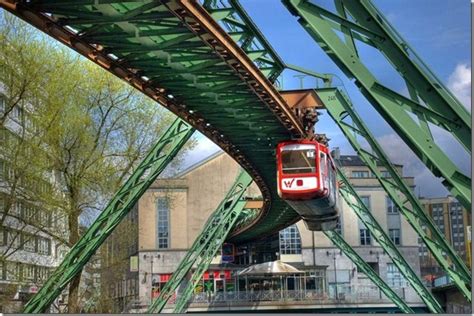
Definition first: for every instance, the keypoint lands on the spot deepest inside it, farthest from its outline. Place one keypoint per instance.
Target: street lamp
(333, 252)
(151, 272)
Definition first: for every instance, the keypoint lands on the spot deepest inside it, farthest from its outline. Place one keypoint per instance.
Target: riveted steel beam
(115, 211)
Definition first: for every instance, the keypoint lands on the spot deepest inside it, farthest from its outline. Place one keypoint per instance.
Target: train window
(298, 160)
(323, 164)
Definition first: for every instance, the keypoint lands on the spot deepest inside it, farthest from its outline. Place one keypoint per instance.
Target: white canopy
(274, 267)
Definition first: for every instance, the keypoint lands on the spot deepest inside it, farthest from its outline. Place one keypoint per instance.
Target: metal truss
(362, 266)
(340, 109)
(353, 200)
(115, 211)
(206, 244)
(233, 18)
(429, 100)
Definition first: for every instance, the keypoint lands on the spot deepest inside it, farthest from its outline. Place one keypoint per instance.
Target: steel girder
(340, 109)
(442, 109)
(207, 243)
(174, 52)
(363, 213)
(147, 171)
(362, 266)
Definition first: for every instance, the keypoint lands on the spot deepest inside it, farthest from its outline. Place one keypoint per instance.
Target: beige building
(173, 212)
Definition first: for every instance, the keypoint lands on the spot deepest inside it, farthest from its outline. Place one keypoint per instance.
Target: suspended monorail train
(306, 179)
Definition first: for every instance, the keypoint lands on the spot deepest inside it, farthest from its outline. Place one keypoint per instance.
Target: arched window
(290, 241)
(163, 223)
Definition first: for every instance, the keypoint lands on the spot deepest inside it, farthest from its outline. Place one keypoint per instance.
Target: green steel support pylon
(353, 200)
(362, 266)
(206, 257)
(340, 109)
(442, 109)
(123, 201)
(208, 242)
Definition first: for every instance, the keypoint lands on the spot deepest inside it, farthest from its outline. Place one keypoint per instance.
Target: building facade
(454, 222)
(172, 213)
(32, 238)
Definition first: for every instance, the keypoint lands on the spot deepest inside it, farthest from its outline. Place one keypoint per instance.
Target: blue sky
(438, 30)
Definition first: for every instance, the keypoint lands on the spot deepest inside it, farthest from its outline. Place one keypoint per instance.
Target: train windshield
(298, 159)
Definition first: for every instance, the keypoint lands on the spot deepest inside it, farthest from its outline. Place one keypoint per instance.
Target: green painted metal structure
(221, 83)
(363, 213)
(364, 267)
(442, 109)
(341, 110)
(233, 18)
(147, 171)
(206, 244)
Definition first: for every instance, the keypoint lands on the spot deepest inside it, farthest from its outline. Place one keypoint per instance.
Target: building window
(394, 277)
(366, 201)
(163, 223)
(394, 235)
(338, 228)
(364, 237)
(391, 207)
(28, 272)
(13, 239)
(44, 246)
(290, 241)
(385, 174)
(360, 174)
(13, 271)
(29, 243)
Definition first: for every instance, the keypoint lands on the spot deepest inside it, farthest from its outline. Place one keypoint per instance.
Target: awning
(274, 267)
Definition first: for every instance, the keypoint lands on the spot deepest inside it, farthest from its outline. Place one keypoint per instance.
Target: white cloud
(459, 82)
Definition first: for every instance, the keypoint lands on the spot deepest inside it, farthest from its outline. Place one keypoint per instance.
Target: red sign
(165, 277)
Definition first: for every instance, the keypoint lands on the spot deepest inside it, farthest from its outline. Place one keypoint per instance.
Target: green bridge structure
(209, 64)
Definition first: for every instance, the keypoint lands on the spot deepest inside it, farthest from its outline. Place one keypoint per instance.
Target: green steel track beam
(363, 213)
(246, 119)
(341, 110)
(213, 235)
(127, 196)
(233, 17)
(441, 108)
(363, 266)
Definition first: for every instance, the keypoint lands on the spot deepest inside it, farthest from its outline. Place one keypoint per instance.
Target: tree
(88, 130)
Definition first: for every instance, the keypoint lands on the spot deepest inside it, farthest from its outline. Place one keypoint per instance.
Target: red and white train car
(307, 181)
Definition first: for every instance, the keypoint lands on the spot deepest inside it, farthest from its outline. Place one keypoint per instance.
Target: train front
(307, 182)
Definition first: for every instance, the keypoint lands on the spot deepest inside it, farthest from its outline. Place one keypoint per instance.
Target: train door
(323, 170)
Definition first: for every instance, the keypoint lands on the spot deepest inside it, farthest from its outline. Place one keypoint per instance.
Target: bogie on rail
(306, 177)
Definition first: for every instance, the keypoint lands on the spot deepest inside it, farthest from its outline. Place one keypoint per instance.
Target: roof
(274, 267)
(355, 161)
(198, 164)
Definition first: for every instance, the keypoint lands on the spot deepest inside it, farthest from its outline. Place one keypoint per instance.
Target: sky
(438, 30)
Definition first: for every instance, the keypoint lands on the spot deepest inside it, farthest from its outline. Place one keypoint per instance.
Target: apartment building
(31, 237)
(172, 212)
(454, 222)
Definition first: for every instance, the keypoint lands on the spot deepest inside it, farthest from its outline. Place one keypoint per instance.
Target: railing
(347, 294)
